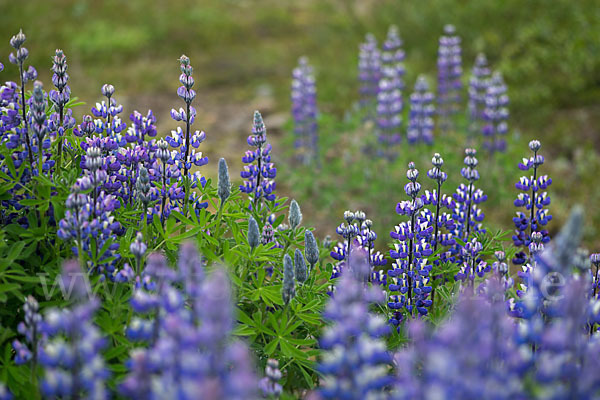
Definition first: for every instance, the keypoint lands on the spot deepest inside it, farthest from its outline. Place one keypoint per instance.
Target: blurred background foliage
(243, 53)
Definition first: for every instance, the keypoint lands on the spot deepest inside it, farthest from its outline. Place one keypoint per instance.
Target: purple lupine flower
(304, 112)
(260, 172)
(31, 328)
(495, 115)
(442, 220)
(92, 228)
(71, 357)
(389, 97)
(449, 64)
(471, 265)
(420, 123)
(369, 74)
(269, 385)
(185, 141)
(358, 233)
(467, 214)
(476, 342)
(18, 58)
(191, 353)
(409, 281)
(60, 97)
(544, 279)
(530, 232)
(478, 85)
(354, 361)
(39, 128)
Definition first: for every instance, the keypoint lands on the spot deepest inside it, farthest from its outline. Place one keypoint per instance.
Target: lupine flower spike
(495, 115)
(258, 176)
(355, 362)
(369, 73)
(187, 141)
(442, 219)
(409, 277)
(269, 385)
(389, 97)
(530, 232)
(478, 85)
(60, 97)
(358, 233)
(467, 214)
(449, 73)
(420, 123)
(304, 112)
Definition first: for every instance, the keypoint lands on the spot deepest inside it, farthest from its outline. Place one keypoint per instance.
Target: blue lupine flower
(60, 97)
(258, 177)
(495, 115)
(409, 277)
(269, 385)
(389, 97)
(71, 357)
(478, 85)
(186, 140)
(369, 74)
(358, 233)
(31, 328)
(18, 58)
(476, 342)
(192, 355)
(92, 228)
(449, 65)
(467, 214)
(420, 122)
(530, 225)
(355, 361)
(304, 112)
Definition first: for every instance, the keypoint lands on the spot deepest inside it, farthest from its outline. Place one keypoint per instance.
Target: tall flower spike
(409, 277)
(304, 112)
(495, 115)
(18, 58)
(420, 125)
(355, 362)
(530, 232)
(467, 215)
(449, 73)
(187, 141)
(60, 97)
(259, 177)
(369, 73)
(389, 98)
(75, 366)
(478, 85)
(39, 127)
(224, 185)
(288, 290)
